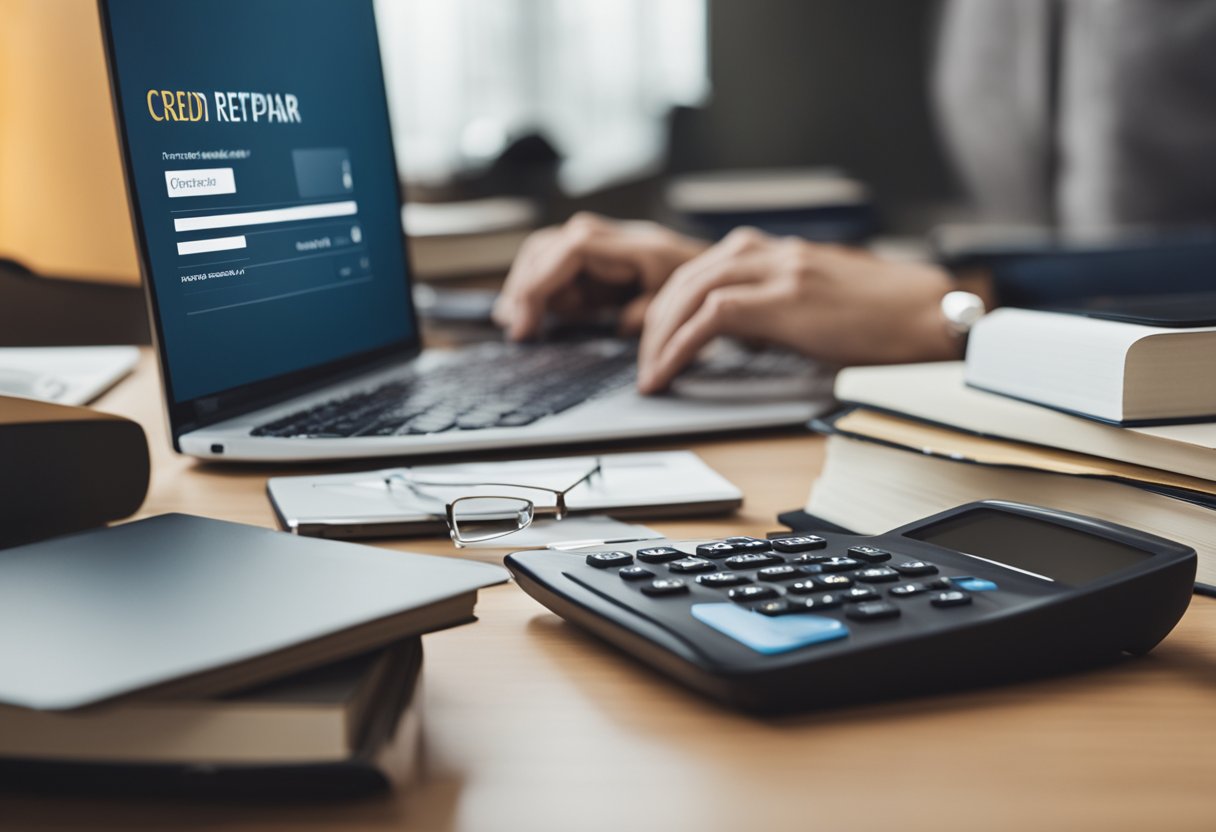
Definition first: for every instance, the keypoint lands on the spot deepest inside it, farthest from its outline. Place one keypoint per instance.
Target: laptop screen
(264, 184)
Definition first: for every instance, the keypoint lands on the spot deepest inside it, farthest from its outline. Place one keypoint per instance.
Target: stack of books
(913, 440)
(469, 238)
(190, 655)
(348, 728)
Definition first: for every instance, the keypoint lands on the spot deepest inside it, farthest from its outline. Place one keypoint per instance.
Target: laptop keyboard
(493, 385)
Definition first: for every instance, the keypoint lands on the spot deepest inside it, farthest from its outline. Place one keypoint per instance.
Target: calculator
(985, 593)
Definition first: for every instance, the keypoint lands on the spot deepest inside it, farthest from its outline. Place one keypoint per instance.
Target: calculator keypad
(864, 583)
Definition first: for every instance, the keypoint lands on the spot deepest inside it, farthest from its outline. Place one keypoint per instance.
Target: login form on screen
(259, 148)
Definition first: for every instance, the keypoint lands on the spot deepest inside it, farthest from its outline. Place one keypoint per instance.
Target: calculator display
(1048, 550)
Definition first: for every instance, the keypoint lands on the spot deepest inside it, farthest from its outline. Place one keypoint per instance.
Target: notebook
(177, 605)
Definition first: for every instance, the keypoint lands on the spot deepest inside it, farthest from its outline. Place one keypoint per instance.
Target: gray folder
(178, 605)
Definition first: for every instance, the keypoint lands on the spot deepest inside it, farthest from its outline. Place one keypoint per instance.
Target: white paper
(591, 529)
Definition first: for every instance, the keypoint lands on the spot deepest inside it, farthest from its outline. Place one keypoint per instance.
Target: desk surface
(532, 725)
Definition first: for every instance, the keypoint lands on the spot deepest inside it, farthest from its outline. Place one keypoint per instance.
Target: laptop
(264, 193)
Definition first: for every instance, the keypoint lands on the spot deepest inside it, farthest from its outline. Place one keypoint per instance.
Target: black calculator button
(876, 575)
(753, 592)
(835, 581)
(873, 611)
(752, 560)
(665, 586)
(659, 554)
(914, 568)
(722, 580)
(826, 601)
(906, 590)
(950, 598)
(603, 560)
(717, 549)
(777, 606)
(870, 554)
(635, 573)
(859, 593)
(801, 543)
(939, 583)
(839, 564)
(749, 544)
(691, 565)
(780, 573)
(815, 557)
(803, 587)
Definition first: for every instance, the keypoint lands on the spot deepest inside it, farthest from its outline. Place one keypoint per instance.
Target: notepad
(661, 484)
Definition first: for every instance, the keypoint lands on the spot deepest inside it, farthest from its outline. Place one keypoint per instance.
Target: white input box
(214, 244)
(296, 213)
(202, 182)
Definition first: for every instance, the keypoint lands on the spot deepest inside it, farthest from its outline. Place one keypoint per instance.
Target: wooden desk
(531, 725)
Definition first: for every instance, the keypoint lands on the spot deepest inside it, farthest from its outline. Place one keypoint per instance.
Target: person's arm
(840, 305)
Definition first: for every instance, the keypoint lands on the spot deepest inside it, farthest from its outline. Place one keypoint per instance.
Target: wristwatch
(961, 310)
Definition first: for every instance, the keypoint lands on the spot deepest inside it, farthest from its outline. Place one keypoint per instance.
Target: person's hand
(576, 268)
(840, 305)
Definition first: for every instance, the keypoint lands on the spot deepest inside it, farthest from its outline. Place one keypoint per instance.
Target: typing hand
(577, 267)
(839, 305)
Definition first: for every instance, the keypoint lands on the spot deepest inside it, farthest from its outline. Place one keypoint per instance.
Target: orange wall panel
(63, 207)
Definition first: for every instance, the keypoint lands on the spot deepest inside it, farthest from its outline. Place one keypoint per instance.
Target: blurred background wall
(824, 82)
(791, 83)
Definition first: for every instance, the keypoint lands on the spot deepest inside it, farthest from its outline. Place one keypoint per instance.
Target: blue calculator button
(973, 584)
(766, 634)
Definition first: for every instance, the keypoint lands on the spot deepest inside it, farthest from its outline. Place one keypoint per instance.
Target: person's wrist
(939, 335)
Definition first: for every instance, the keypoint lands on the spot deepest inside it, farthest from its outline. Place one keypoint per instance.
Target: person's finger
(740, 242)
(611, 269)
(633, 314)
(584, 245)
(533, 281)
(731, 310)
(684, 293)
(522, 270)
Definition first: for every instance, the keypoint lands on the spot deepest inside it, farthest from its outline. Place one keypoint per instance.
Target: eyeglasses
(480, 517)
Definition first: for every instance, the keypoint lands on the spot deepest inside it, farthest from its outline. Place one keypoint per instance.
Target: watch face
(961, 310)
